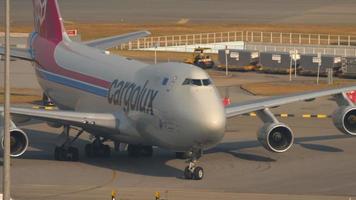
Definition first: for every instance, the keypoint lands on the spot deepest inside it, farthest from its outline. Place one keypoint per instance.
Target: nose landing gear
(193, 171)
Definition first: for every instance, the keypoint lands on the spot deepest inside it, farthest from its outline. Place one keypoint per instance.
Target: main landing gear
(193, 171)
(97, 149)
(183, 155)
(66, 152)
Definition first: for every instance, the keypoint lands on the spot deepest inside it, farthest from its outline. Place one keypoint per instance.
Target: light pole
(295, 62)
(6, 156)
(319, 64)
(290, 65)
(226, 63)
(156, 45)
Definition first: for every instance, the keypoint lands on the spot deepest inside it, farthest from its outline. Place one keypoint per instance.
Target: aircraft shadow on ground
(233, 147)
(319, 147)
(44, 142)
(157, 165)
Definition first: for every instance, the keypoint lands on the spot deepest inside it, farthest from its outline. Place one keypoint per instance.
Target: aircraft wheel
(63, 154)
(198, 173)
(56, 153)
(133, 150)
(73, 154)
(60, 154)
(187, 173)
(106, 151)
(89, 152)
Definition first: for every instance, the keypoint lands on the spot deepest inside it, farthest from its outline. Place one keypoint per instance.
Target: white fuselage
(152, 105)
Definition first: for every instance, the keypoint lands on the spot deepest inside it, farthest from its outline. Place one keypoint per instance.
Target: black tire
(73, 154)
(89, 150)
(106, 151)
(61, 154)
(187, 173)
(133, 151)
(56, 153)
(198, 173)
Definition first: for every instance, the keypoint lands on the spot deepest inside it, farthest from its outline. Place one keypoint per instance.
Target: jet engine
(18, 142)
(344, 119)
(275, 137)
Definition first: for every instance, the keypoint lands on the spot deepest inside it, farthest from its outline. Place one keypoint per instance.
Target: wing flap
(24, 54)
(114, 41)
(250, 106)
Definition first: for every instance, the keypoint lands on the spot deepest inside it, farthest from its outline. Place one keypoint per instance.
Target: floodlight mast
(6, 156)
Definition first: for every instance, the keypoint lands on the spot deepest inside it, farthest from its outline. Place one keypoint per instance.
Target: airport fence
(343, 51)
(183, 40)
(300, 38)
(246, 36)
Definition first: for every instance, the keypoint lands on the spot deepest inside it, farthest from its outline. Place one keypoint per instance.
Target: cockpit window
(206, 82)
(187, 81)
(197, 82)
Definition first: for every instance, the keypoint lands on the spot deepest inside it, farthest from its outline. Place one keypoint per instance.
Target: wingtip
(147, 32)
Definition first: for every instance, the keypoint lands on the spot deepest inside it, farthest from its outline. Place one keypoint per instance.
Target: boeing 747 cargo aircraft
(170, 105)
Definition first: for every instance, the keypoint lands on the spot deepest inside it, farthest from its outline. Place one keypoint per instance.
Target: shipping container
(275, 62)
(240, 60)
(309, 64)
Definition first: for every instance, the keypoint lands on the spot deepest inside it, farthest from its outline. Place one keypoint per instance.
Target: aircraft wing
(114, 41)
(79, 119)
(260, 104)
(20, 53)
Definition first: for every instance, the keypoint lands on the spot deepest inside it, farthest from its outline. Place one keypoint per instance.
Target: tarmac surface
(233, 11)
(320, 165)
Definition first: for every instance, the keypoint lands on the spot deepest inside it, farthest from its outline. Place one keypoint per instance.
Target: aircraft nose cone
(215, 124)
(213, 128)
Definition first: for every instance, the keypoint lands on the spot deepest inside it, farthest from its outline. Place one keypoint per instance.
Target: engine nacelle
(275, 137)
(18, 142)
(344, 119)
(54, 124)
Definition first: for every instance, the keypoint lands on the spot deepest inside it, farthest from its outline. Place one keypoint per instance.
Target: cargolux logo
(132, 96)
(40, 12)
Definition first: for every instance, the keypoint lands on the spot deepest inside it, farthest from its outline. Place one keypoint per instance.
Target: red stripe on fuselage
(44, 56)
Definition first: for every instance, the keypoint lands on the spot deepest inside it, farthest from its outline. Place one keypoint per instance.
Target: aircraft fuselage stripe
(73, 83)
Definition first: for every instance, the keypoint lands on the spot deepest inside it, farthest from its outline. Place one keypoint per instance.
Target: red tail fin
(48, 20)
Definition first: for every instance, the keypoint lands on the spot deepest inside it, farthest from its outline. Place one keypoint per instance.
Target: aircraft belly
(162, 132)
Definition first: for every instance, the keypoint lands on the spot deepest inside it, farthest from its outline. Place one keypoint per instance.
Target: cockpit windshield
(197, 82)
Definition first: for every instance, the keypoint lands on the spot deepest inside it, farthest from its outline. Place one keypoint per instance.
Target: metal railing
(181, 40)
(246, 36)
(343, 51)
(300, 38)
